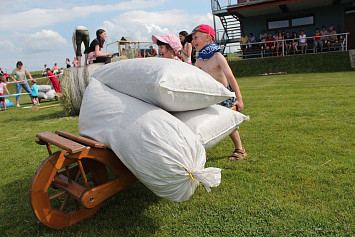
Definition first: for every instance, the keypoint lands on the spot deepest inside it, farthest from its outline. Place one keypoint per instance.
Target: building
(251, 16)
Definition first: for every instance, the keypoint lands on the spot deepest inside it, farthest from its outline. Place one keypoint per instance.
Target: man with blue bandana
(214, 63)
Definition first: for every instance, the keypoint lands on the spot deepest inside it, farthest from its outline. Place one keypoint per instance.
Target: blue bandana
(208, 51)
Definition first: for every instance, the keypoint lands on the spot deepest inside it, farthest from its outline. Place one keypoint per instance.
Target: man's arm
(231, 80)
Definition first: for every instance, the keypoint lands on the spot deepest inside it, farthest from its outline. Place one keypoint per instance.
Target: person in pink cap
(169, 46)
(214, 63)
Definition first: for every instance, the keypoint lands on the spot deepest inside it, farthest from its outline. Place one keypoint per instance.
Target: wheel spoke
(64, 203)
(83, 174)
(57, 195)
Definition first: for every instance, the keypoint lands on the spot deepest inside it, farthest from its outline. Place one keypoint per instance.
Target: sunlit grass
(298, 179)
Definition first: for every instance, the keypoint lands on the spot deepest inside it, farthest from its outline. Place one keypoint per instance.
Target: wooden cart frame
(71, 184)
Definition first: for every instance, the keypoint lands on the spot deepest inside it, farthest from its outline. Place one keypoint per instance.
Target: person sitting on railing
(332, 38)
(263, 36)
(251, 40)
(270, 44)
(243, 41)
(317, 40)
(324, 33)
(295, 42)
(288, 42)
(303, 42)
(279, 43)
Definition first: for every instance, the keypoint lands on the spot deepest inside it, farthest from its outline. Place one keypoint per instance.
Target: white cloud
(7, 45)
(39, 17)
(42, 41)
(141, 25)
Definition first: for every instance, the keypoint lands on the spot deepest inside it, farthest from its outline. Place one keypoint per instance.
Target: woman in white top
(186, 47)
(21, 81)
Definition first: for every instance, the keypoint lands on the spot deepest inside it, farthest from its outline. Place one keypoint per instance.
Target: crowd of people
(285, 42)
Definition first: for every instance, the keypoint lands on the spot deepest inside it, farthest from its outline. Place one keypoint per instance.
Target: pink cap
(202, 28)
(169, 39)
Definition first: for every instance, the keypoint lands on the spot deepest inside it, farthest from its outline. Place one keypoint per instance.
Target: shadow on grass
(54, 114)
(121, 215)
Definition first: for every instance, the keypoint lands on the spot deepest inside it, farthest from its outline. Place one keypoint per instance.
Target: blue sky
(39, 32)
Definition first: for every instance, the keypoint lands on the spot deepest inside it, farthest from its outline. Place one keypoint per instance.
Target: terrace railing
(224, 4)
(258, 49)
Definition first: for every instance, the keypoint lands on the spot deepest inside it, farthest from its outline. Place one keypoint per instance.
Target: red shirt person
(54, 80)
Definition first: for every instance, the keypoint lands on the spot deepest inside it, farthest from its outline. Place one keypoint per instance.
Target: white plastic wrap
(166, 83)
(50, 94)
(160, 150)
(44, 88)
(211, 124)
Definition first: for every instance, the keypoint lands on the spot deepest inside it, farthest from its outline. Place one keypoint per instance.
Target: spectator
(21, 81)
(288, 42)
(81, 35)
(75, 62)
(303, 42)
(55, 68)
(54, 81)
(270, 44)
(44, 71)
(67, 61)
(332, 38)
(252, 40)
(324, 33)
(154, 52)
(276, 34)
(2, 89)
(186, 49)
(95, 53)
(295, 42)
(243, 41)
(262, 36)
(279, 43)
(169, 45)
(317, 40)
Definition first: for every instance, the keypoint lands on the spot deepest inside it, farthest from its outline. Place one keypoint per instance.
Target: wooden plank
(80, 139)
(61, 142)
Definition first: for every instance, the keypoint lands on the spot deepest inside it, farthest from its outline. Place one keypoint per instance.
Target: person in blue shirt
(34, 94)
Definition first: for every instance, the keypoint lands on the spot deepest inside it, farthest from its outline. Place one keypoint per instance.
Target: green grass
(298, 178)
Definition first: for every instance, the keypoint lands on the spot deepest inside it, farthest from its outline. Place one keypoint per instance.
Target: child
(169, 46)
(214, 63)
(2, 88)
(54, 80)
(34, 89)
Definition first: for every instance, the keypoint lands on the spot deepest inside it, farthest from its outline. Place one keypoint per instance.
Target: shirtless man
(214, 63)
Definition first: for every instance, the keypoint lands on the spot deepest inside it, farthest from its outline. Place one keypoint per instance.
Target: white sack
(211, 124)
(50, 94)
(42, 95)
(44, 88)
(160, 150)
(166, 83)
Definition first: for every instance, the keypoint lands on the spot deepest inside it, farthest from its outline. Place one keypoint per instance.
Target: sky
(39, 32)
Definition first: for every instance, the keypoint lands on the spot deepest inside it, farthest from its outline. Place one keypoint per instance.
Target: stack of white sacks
(159, 116)
(46, 92)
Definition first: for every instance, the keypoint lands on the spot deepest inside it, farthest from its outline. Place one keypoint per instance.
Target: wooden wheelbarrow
(70, 185)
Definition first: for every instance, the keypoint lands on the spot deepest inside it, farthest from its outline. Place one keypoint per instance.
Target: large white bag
(160, 150)
(211, 124)
(166, 83)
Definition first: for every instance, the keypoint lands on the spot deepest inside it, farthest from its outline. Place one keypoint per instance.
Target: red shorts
(2, 98)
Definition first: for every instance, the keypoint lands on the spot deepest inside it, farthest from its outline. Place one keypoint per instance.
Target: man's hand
(239, 104)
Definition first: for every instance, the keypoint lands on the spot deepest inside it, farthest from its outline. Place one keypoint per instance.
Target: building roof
(249, 8)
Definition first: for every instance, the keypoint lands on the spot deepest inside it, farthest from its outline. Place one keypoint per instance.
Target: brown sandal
(238, 154)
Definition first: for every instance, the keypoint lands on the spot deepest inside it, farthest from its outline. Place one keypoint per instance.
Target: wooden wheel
(49, 195)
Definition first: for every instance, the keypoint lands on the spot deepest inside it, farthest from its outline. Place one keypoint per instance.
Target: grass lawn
(298, 179)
